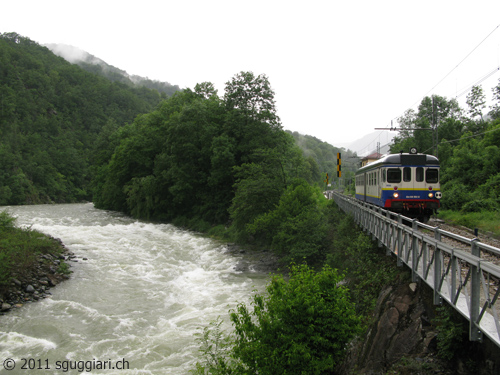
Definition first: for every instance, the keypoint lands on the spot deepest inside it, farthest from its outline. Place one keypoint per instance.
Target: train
(404, 183)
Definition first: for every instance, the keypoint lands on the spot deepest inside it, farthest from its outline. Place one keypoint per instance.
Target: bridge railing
(454, 270)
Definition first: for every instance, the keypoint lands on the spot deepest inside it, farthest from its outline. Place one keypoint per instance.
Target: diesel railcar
(405, 183)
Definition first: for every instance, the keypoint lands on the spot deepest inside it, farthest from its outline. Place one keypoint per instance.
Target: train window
(406, 174)
(394, 175)
(431, 176)
(383, 175)
(419, 175)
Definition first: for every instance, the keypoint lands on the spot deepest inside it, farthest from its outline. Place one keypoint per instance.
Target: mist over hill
(98, 66)
(368, 144)
(54, 119)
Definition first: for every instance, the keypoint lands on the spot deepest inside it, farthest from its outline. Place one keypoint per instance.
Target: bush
(451, 332)
(480, 205)
(300, 326)
(6, 221)
(455, 195)
(296, 228)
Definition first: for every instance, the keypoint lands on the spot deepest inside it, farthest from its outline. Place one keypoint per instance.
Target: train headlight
(395, 195)
(439, 195)
(431, 195)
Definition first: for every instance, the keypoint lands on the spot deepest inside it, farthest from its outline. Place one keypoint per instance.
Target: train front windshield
(431, 176)
(394, 175)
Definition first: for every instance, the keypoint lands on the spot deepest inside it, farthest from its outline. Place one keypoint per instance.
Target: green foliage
(495, 108)
(470, 179)
(296, 228)
(215, 349)
(64, 269)
(451, 332)
(6, 221)
(484, 220)
(321, 158)
(470, 170)
(19, 247)
(199, 159)
(366, 266)
(301, 326)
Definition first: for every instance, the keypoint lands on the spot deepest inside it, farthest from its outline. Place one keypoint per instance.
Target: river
(138, 300)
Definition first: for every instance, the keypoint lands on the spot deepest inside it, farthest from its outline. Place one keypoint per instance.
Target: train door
(365, 178)
(408, 181)
(419, 178)
(379, 184)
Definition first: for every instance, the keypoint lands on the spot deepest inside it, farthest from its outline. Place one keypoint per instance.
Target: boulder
(30, 289)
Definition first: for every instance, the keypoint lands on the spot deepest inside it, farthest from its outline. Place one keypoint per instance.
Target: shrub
(451, 332)
(296, 228)
(299, 326)
(479, 205)
(6, 221)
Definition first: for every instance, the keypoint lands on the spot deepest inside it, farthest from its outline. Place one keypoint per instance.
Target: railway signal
(339, 165)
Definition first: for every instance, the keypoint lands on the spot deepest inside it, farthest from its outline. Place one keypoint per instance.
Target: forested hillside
(325, 156)
(51, 113)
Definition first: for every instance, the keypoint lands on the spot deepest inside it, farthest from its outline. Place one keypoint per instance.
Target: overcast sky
(339, 69)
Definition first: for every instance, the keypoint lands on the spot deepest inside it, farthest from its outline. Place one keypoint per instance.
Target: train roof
(403, 159)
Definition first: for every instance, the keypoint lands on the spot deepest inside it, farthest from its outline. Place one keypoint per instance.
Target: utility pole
(434, 128)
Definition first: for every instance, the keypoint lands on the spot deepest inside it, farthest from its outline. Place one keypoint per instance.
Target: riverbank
(260, 260)
(32, 281)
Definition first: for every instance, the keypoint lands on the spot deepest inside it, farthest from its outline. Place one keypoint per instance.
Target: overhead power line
(480, 80)
(461, 61)
(465, 58)
(463, 91)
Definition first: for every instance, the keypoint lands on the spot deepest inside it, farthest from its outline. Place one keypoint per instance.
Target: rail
(457, 274)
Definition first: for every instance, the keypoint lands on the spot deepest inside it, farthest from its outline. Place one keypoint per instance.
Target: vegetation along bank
(30, 264)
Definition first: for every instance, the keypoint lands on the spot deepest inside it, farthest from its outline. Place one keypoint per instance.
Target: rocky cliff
(403, 337)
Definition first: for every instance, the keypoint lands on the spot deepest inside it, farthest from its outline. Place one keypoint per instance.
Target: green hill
(51, 113)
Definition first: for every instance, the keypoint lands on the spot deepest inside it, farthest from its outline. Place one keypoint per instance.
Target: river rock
(5, 307)
(30, 289)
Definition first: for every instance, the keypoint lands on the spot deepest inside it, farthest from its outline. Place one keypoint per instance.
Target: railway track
(469, 234)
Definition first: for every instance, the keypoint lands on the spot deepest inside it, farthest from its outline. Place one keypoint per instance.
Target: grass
(485, 221)
(19, 248)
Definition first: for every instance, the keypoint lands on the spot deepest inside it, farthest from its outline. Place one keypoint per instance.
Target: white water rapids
(141, 296)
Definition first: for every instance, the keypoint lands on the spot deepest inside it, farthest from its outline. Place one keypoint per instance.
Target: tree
(476, 101)
(301, 326)
(495, 108)
(296, 227)
(419, 129)
(252, 96)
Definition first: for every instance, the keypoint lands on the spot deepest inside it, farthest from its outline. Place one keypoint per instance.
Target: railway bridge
(456, 268)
